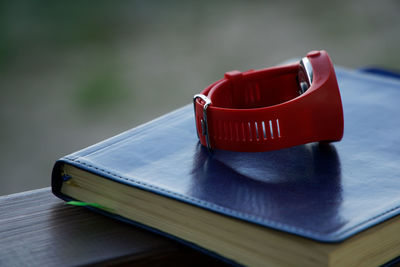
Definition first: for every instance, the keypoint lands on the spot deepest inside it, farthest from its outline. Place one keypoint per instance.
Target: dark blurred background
(75, 72)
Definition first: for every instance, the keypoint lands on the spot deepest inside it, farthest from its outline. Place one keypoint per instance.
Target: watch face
(305, 75)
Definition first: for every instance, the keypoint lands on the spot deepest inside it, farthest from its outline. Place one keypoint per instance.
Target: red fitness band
(272, 108)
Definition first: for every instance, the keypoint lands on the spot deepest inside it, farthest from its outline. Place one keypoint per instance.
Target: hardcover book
(311, 205)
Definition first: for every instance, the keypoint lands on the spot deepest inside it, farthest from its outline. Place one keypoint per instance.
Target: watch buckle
(203, 121)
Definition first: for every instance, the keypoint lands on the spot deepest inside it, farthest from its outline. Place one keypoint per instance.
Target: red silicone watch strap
(261, 110)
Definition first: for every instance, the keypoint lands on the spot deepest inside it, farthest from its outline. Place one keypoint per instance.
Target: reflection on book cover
(302, 182)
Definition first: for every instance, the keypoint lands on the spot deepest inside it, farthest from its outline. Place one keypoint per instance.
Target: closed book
(317, 204)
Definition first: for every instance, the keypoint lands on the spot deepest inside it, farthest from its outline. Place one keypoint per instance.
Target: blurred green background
(75, 72)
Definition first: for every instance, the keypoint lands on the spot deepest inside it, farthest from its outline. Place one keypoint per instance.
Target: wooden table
(38, 229)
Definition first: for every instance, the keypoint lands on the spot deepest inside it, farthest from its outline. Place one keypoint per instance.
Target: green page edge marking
(86, 204)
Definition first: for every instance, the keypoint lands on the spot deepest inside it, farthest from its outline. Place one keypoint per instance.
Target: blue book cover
(322, 192)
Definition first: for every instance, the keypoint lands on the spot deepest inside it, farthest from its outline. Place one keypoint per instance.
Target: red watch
(272, 108)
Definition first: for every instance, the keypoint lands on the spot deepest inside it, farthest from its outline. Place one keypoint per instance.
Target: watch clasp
(305, 75)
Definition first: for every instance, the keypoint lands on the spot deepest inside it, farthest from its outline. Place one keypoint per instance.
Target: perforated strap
(261, 110)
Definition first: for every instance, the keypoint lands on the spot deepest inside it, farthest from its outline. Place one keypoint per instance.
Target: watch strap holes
(264, 131)
(278, 128)
(243, 131)
(250, 135)
(246, 131)
(256, 130)
(271, 129)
